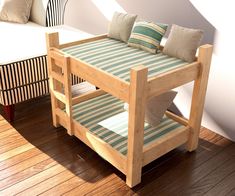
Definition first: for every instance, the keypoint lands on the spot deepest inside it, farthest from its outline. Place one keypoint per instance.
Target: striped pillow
(147, 36)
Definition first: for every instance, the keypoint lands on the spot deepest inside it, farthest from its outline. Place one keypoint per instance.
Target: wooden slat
(87, 185)
(177, 118)
(103, 80)
(59, 96)
(89, 179)
(83, 41)
(87, 96)
(20, 186)
(62, 117)
(28, 154)
(72, 169)
(102, 148)
(203, 185)
(225, 187)
(172, 79)
(56, 56)
(58, 77)
(52, 40)
(165, 144)
(15, 151)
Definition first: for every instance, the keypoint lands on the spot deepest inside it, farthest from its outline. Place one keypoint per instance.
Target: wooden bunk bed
(136, 144)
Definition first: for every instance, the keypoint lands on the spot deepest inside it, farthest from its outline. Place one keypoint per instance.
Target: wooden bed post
(199, 93)
(52, 40)
(137, 100)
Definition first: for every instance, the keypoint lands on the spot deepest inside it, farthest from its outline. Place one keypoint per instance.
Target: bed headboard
(48, 12)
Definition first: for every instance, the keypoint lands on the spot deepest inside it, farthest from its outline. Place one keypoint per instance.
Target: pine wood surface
(36, 158)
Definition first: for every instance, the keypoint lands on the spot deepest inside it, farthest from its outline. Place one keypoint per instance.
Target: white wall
(85, 15)
(220, 103)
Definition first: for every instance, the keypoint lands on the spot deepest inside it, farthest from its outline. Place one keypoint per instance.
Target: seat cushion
(24, 41)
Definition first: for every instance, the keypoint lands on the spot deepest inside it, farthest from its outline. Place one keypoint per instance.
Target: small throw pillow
(121, 26)
(156, 107)
(15, 10)
(183, 43)
(147, 36)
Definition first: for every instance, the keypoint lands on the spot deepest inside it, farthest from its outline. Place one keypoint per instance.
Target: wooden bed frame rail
(136, 92)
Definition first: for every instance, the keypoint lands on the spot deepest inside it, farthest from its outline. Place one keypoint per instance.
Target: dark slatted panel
(55, 12)
(23, 80)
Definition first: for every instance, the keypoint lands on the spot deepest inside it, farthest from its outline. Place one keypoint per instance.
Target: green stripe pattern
(90, 113)
(147, 36)
(116, 58)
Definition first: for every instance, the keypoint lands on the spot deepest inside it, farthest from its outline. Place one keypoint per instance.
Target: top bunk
(116, 58)
(109, 64)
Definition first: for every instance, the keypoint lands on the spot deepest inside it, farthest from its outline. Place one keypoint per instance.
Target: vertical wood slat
(137, 99)
(52, 40)
(199, 93)
(23, 80)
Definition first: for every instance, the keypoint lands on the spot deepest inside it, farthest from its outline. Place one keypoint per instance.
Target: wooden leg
(9, 111)
(68, 95)
(198, 98)
(137, 101)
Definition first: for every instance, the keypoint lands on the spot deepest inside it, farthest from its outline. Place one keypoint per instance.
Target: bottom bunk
(102, 123)
(105, 117)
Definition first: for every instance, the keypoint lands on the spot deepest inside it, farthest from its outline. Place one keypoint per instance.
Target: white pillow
(121, 26)
(15, 10)
(156, 107)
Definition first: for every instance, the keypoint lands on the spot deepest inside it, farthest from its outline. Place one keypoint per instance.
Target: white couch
(23, 64)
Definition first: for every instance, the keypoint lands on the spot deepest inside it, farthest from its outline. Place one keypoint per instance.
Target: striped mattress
(92, 112)
(117, 58)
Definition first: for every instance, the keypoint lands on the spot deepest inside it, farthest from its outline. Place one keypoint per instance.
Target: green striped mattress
(117, 58)
(92, 112)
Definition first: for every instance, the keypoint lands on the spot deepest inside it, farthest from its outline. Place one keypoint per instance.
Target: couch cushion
(15, 10)
(23, 41)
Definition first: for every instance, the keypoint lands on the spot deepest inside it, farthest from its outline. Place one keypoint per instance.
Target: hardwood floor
(38, 159)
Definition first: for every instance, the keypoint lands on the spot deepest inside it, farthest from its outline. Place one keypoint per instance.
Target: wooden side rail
(177, 118)
(87, 96)
(101, 79)
(172, 79)
(165, 144)
(102, 148)
(82, 41)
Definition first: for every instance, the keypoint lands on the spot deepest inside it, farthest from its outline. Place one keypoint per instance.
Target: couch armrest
(48, 12)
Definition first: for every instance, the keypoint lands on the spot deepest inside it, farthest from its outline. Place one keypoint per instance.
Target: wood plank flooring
(38, 159)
